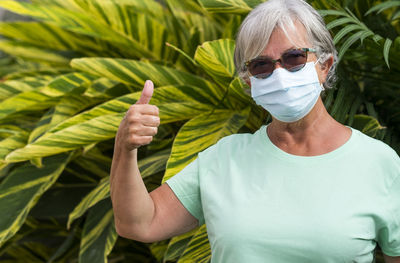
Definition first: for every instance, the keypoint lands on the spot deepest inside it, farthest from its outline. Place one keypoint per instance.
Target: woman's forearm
(132, 204)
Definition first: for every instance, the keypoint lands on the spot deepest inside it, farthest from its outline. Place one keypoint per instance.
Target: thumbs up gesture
(140, 122)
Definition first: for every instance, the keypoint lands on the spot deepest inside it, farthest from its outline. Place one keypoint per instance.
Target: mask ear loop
(322, 86)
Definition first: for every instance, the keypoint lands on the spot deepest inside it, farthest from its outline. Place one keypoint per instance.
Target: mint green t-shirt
(261, 204)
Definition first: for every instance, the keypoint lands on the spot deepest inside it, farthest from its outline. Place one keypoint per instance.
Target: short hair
(255, 32)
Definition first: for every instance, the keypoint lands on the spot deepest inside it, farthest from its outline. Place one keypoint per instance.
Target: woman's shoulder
(233, 143)
(372, 145)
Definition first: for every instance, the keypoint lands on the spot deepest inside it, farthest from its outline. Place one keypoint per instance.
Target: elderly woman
(303, 188)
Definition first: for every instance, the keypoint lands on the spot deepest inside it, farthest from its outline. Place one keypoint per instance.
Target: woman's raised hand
(140, 122)
(134, 208)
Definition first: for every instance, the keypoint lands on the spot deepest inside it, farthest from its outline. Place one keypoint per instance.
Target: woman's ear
(327, 64)
(247, 80)
(325, 67)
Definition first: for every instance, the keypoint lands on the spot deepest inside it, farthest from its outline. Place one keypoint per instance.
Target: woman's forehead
(286, 38)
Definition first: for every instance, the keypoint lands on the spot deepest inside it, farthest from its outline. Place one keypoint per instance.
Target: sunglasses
(292, 60)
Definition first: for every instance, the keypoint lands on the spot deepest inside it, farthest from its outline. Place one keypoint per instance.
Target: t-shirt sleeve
(389, 234)
(186, 187)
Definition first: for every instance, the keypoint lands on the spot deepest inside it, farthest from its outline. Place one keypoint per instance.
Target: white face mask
(288, 96)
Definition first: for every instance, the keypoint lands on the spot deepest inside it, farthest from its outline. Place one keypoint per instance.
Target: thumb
(147, 92)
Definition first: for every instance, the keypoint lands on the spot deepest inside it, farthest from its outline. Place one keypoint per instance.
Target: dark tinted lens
(261, 67)
(294, 60)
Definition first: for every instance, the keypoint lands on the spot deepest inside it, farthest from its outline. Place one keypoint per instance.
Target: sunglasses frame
(247, 63)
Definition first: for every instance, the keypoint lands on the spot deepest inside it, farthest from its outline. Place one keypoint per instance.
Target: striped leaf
(50, 36)
(83, 134)
(191, 16)
(101, 123)
(238, 99)
(99, 234)
(383, 6)
(136, 73)
(100, 8)
(36, 100)
(67, 4)
(32, 53)
(28, 101)
(10, 88)
(88, 24)
(177, 245)
(99, 193)
(106, 88)
(65, 108)
(201, 132)
(74, 83)
(198, 249)
(18, 140)
(148, 166)
(146, 31)
(7, 130)
(158, 249)
(216, 58)
(229, 6)
(29, 69)
(175, 103)
(367, 124)
(22, 188)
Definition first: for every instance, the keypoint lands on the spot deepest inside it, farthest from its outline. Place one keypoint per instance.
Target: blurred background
(69, 70)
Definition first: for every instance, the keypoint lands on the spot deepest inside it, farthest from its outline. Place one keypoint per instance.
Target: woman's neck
(315, 134)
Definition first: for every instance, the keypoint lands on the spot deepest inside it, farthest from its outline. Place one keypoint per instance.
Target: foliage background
(71, 73)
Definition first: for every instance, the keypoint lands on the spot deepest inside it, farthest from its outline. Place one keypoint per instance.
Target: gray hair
(256, 30)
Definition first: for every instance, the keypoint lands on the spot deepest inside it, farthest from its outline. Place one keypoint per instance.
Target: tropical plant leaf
(229, 6)
(198, 249)
(10, 88)
(200, 133)
(339, 22)
(216, 58)
(74, 83)
(383, 6)
(49, 36)
(101, 123)
(177, 245)
(79, 23)
(94, 130)
(99, 234)
(32, 53)
(28, 101)
(367, 124)
(148, 166)
(65, 108)
(386, 50)
(21, 189)
(171, 100)
(136, 73)
(238, 99)
(147, 32)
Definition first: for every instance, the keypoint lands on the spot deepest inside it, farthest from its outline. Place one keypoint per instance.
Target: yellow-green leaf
(32, 53)
(198, 249)
(22, 188)
(216, 58)
(201, 132)
(367, 124)
(99, 235)
(101, 192)
(230, 6)
(178, 244)
(101, 123)
(148, 166)
(136, 73)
